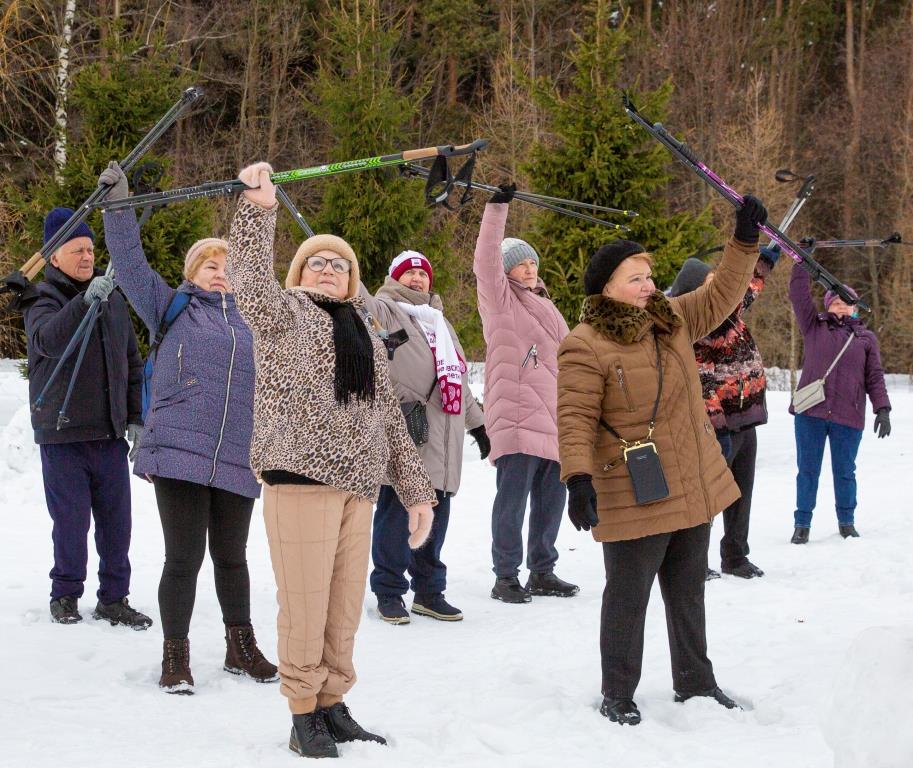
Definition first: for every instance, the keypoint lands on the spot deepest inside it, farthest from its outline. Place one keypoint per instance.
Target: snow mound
(18, 451)
(868, 722)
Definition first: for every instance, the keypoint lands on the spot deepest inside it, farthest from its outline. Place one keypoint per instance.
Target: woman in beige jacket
(327, 430)
(627, 379)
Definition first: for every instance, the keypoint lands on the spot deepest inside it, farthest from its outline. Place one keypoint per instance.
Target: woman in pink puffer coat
(523, 329)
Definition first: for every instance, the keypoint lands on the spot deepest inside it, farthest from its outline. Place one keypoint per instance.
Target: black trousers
(188, 511)
(734, 544)
(680, 561)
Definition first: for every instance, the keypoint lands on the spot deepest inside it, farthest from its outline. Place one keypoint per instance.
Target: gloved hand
(481, 438)
(134, 434)
(261, 190)
(420, 518)
(883, 422)
(771, 252)
(581, 503)
(504, 194)
(747, 218)
(100, 288)
(114, 176)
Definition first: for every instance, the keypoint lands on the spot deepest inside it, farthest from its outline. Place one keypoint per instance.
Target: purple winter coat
(200, 419)
(859, 371)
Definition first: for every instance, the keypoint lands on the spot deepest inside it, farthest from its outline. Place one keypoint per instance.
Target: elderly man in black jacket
(84, 460)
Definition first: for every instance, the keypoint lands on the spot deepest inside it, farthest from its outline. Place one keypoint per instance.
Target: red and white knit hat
(409, 260)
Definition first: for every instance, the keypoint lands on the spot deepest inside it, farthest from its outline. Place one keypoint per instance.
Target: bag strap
(839, 355)
(659, 394)
(178, 304)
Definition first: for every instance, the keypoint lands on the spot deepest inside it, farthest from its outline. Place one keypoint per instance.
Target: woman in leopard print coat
(328, 431)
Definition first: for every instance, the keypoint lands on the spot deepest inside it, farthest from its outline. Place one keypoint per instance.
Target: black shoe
(310, 736)
(800, 535)
(746, 570)
(712, 574)
(714, 693)
(549, 585)
(342, 726)
(120, 612)
(849, 531)
(508, 589)
(621, 711)
(392, 609)
(63, 610)
(434, 605)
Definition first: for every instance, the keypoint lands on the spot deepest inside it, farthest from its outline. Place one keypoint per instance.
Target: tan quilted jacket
(298, 425)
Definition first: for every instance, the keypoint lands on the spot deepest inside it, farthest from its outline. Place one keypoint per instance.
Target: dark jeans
(81, 481)
(187, 511)
(811, 434)
(520, 477)
(734, 544)
(680, 560)
(391, 553)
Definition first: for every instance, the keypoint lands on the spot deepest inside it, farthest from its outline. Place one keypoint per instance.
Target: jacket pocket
(174, 394)
(622, 382)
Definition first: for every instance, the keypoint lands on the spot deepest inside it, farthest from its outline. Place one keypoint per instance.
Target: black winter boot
(392, 609)
(849, 531)
(509, 590)
(310, 736)
(342, 726)
(243, 657)
(714, 693)
(800, 535)
(712, 574)
(176, 677)
(549, 585)
(120, 612)
(434, 605)
(746, 570)
(64, 611)
(621, 711)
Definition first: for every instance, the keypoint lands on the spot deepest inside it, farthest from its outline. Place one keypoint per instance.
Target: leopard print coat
(298, 425)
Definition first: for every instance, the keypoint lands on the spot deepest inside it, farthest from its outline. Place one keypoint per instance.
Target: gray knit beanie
(690, 277)
(514, 250)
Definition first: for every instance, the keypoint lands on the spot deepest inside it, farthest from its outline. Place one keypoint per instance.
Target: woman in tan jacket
(631, 415)
(327, 430)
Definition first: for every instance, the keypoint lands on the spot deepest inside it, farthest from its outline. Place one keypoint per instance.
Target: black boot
(712, 574)
(746, 570)
(120, 612)
(392, 609)
(849, 531)
(342, 726)
(800, 535)
(434, 605)
(621, 711)
(549, 585)
(310, 736)
(714, 693)
(509, 590)
(64, 611)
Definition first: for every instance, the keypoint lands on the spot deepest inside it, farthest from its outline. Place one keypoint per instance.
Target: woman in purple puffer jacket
(195, 446)
(840, 417)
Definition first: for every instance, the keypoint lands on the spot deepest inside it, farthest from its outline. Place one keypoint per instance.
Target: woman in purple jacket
(840, 417)
(195, 446)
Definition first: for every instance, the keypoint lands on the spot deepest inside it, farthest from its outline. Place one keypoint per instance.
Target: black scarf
(354, 374)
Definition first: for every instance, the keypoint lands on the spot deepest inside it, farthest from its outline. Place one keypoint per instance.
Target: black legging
(187, 511)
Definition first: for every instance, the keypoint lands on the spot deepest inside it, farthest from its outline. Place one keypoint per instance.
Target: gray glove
(134, 434)
(100, 288)
(116, 179)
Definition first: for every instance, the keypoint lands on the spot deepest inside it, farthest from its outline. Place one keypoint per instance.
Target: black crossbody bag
(415, 413)
(641, 458)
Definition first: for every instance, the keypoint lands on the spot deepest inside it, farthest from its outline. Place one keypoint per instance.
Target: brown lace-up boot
(243, 657)
(176, 677)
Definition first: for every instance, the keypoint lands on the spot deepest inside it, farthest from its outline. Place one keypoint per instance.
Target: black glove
(883, 422)
(581, 503)
(504, 194)
(481, 438)
(747, 218)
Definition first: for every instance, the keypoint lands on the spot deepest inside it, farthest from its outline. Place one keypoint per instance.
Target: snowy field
(819, 651)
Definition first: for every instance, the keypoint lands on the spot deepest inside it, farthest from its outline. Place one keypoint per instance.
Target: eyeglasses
(317, 264)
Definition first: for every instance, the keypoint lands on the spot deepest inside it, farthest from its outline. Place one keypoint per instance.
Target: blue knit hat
(57, 218)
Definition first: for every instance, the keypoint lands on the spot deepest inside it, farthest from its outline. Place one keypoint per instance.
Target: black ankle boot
(800, 535)
(621, 711)
(342, 726)
(849, 531)
(310, 736)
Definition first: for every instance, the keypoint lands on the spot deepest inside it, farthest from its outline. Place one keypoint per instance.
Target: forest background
(817, 86)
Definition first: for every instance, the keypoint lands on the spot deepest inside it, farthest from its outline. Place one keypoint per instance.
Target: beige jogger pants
(319, 543)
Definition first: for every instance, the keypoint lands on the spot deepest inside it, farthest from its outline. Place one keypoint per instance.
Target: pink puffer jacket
(523, 329)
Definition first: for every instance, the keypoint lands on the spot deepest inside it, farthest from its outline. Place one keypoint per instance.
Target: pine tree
(596, 154)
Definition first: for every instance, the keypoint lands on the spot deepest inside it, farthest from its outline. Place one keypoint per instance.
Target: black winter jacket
(108, 391)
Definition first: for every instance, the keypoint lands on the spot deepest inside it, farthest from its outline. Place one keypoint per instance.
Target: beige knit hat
(194, 254)
(324, 243)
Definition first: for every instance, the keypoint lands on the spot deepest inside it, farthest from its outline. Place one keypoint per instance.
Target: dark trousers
(521, 477)
(734, 544)
(188, 510)
(83, 481)
(811, 435)
(391, 553)
(680, 559)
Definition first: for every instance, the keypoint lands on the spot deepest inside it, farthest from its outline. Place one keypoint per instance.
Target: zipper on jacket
(620, 376)
(231, 365)
(180, 361)
(534, 354)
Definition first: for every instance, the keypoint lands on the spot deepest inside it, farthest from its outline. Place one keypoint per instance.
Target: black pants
(187, 511)
(734, 544)
(680, 560)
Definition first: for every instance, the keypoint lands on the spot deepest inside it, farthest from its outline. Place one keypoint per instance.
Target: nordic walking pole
(282, 197)
(805, 191)
(893, 239)
(687, 158)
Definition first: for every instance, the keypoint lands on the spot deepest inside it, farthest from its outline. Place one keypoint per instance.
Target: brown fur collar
(625, 323)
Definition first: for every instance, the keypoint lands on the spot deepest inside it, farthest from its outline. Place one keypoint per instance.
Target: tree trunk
(63, 90)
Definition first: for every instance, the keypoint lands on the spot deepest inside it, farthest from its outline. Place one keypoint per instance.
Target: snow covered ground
(819, 651)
